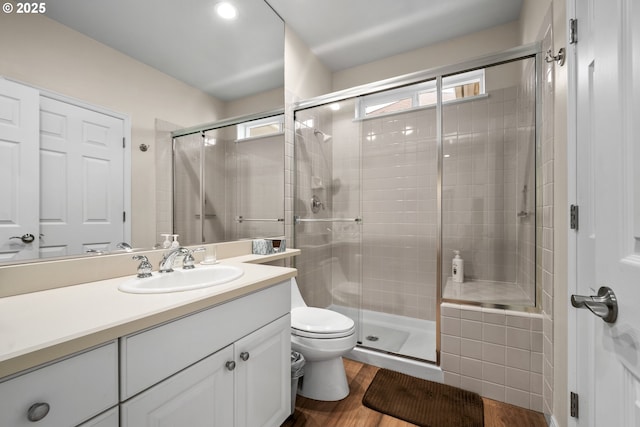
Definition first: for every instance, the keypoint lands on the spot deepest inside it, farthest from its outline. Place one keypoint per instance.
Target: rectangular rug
(422, 402)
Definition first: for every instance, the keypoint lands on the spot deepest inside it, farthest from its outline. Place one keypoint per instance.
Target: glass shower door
(327, 208)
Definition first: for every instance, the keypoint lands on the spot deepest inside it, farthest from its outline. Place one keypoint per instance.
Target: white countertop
(39, 327)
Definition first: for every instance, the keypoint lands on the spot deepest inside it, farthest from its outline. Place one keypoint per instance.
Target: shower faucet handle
(316, 204)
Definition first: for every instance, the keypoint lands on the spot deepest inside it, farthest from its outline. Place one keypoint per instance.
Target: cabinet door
(107, 419)
(199, 396)
(263, 375)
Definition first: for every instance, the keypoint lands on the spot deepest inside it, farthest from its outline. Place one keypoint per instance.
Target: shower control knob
(244, 356)
(230, 365)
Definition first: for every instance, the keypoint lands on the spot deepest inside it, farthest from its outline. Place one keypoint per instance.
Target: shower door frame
(532, 50)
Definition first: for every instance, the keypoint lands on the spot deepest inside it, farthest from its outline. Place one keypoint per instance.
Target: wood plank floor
(350, 412)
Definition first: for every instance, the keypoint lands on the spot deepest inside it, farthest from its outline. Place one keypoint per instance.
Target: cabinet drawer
(150, 356)
(76, 389)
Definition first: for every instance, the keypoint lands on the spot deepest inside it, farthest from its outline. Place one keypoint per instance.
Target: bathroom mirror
(71, 50)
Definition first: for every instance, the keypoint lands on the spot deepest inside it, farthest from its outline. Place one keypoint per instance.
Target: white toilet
(322, 336)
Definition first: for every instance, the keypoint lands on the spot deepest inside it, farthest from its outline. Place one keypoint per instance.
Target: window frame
(414, 91)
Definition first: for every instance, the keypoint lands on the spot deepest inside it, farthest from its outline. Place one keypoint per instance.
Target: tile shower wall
(254, 173)
(313, 171)
(383, 170)
(399, 209)
(488, 185)
(545, 225)
(495, 353)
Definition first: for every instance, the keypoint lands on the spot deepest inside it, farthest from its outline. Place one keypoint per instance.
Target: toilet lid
(320, 321)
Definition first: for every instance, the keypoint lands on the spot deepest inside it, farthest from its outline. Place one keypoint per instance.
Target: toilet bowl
(322, 336)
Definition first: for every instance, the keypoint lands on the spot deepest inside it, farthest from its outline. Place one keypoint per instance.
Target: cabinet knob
(38, 411)
(244, 355)
(231, 365)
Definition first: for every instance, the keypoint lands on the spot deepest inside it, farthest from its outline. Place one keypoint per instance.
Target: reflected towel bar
(242, 219)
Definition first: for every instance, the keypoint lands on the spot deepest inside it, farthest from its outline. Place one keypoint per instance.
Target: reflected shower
(325, 137)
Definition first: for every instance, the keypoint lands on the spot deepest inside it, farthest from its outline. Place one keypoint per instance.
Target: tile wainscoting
(495, 353)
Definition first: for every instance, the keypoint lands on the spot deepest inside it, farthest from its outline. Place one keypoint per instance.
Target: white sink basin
(182, 280)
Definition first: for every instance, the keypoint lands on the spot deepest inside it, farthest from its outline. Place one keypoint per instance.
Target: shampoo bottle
(457, 268)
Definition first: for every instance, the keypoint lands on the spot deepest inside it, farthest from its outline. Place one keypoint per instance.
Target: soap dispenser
(457, 268)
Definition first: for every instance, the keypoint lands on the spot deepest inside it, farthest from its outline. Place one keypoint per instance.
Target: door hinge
(124, 216)
(124, 142)
(573, 31)
(574, 404)
(573, 217)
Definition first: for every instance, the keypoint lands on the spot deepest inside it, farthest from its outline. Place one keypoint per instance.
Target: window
(454, 87)
(261, 127)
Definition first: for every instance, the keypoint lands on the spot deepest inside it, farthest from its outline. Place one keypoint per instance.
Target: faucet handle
(145, 267)
(188, 261)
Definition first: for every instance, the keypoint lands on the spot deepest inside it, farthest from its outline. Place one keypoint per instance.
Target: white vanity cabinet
(201, 395)
(64, 393)
(111, 418)
(263, 375)
(225, 366)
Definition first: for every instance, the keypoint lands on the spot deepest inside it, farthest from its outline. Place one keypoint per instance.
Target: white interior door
(608, 193)
(19, 166)
(82, 179)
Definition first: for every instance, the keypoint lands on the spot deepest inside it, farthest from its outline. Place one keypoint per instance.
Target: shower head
(325, 137)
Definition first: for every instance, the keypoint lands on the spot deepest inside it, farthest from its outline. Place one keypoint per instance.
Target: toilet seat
(313, 322)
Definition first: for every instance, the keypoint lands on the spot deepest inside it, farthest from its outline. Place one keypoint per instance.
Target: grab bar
(298, 220)
(243, 219)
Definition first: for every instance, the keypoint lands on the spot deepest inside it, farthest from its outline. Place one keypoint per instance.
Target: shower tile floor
(484, 291)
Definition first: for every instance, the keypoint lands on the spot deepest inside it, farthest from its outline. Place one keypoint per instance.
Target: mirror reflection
(229, 182)
(72, 55)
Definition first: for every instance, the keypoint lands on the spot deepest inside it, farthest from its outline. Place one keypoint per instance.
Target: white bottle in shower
(457, 268)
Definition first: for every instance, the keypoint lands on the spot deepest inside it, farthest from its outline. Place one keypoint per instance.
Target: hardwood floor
(350, 412)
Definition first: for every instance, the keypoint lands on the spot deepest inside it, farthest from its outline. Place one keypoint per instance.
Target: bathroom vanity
(91, 355)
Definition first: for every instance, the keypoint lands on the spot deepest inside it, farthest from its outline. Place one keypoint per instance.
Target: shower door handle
(603, 305)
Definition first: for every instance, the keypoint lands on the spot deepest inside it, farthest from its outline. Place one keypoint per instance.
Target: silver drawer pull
(244, 355)
(231, 365)
(38, 411)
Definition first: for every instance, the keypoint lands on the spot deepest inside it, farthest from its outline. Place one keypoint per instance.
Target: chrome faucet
(187, 264)
(166, 264)
(124, 246)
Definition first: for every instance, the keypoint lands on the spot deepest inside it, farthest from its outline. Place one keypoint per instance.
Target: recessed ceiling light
(226, 10)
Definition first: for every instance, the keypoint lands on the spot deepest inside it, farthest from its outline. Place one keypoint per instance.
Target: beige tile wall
(495, 353)
(399, 179)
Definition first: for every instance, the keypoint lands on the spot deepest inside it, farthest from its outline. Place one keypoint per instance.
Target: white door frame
(572, 324)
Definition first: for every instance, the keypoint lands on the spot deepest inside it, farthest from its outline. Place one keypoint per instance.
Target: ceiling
(346, 33)
(186, 40)
(232, 59)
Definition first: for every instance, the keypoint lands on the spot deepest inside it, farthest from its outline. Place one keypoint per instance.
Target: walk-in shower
(414, 169)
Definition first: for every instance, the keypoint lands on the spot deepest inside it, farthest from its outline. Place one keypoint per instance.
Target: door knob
(603, 305)
(26, 238)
